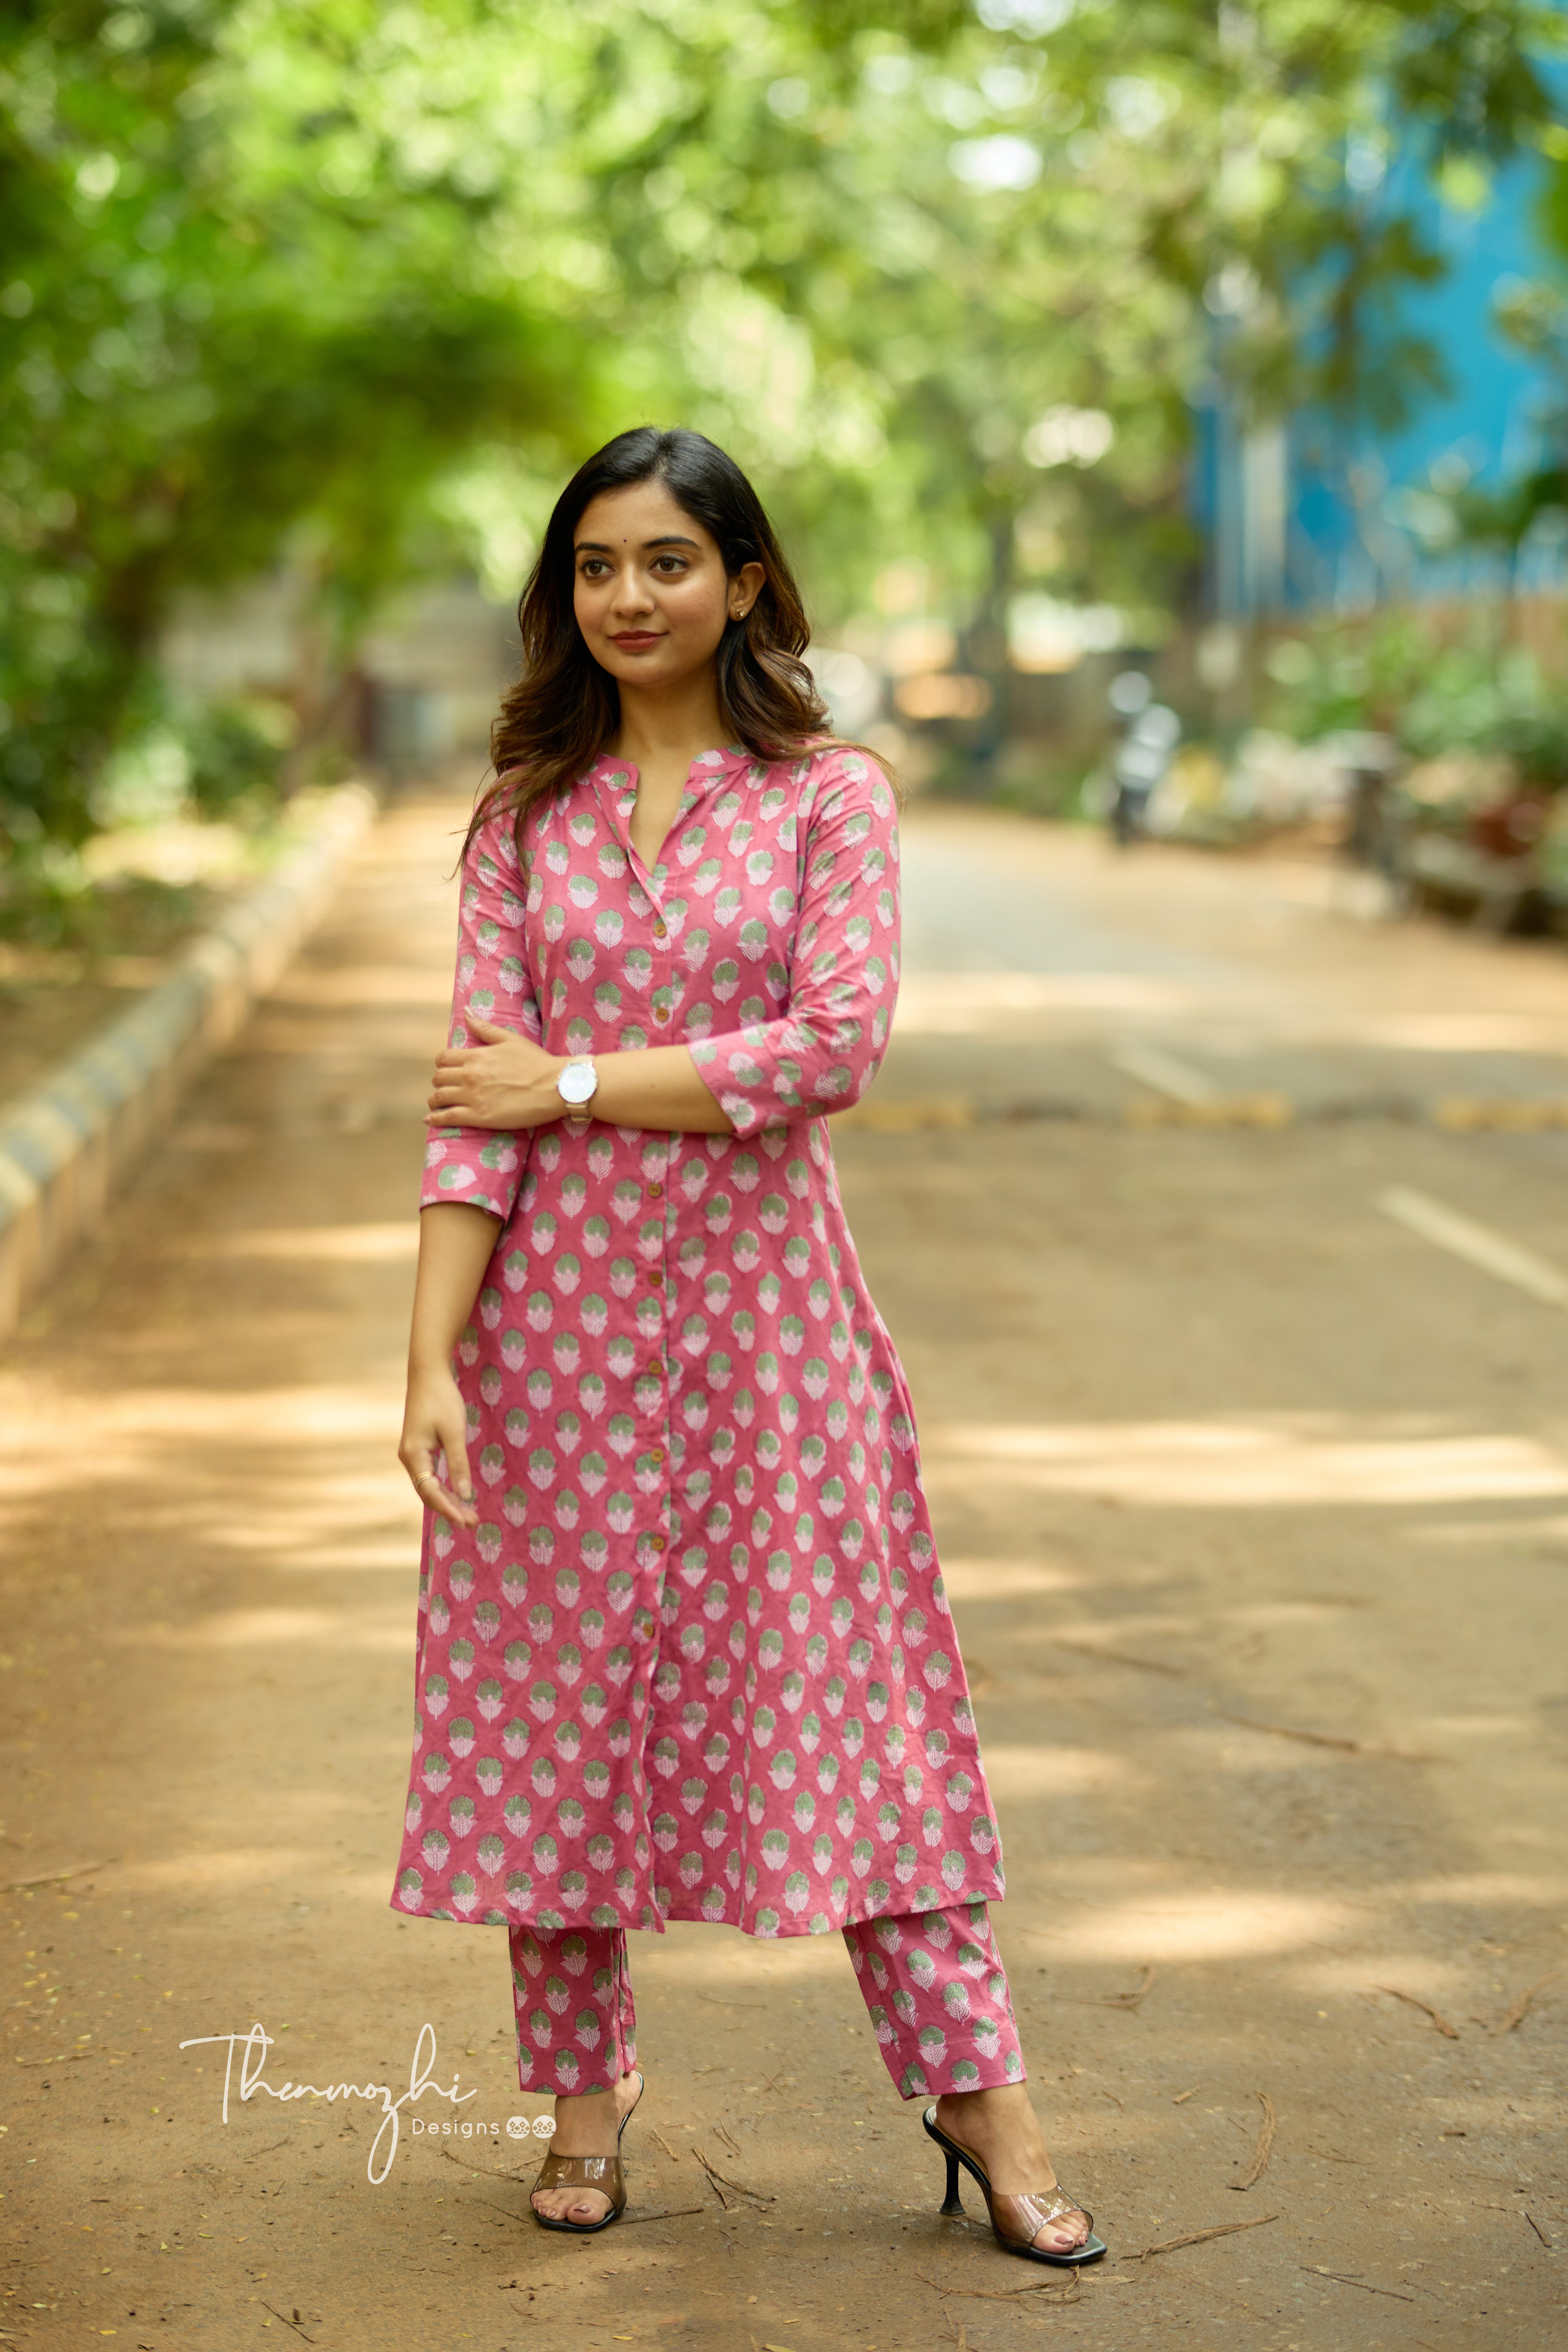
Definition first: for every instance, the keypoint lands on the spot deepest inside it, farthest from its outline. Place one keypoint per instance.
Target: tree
(366, 278)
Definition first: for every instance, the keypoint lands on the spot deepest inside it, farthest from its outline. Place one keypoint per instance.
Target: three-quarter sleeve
(824, 1050)
(479, 1166)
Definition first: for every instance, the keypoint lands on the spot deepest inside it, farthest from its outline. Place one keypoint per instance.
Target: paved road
(1253, 1496)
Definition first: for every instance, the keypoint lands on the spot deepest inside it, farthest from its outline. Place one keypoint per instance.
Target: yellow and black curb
(66, 1146)
(933, 1114)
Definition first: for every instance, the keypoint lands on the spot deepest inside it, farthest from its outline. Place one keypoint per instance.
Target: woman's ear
(745, 587)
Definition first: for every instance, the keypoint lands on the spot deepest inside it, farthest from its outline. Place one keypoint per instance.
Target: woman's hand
(436, 1425)
(504, 1081)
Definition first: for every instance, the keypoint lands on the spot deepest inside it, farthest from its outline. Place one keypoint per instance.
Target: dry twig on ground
(56, 1877)
(722, 2181)
(1521, 2008)
(1118, 1657)
(1438, 2020)
(1200, 2237)
(1125, 2000)
(1327, 1740)
(1265, 2143)
(1007, 2295)
(1342, 2278)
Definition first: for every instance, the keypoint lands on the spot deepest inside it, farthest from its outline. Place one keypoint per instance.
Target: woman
(684, 1651)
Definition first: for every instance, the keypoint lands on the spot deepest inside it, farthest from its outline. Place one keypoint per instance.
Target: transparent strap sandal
(601, 2172)
(1016, 2221)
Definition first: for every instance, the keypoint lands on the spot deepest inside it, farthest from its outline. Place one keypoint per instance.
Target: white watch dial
(578, 1083)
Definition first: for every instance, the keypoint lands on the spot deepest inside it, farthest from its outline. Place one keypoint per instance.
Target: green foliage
(349, 285)
(1397, 673)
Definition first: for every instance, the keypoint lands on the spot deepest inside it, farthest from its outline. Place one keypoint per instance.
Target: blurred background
(1167, 407)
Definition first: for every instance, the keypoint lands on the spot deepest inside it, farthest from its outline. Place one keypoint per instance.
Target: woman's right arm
(471, 1178)
(455, 1244)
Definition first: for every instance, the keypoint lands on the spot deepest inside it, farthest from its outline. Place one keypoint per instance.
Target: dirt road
(1247, 1437)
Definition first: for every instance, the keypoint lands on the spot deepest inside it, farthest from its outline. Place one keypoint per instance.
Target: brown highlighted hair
(564, 708)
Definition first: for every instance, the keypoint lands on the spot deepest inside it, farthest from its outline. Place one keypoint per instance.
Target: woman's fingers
(434, 1451)
(446, 1506)
(453, 1431)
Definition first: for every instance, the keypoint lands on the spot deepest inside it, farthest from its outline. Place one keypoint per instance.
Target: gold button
(661, 1014)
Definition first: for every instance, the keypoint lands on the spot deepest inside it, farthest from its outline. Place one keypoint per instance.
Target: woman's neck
(665, 731)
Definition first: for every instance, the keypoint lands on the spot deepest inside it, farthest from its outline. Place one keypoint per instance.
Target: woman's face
(652, 596)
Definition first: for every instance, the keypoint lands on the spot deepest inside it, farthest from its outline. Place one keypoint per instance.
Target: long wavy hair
(564, 708)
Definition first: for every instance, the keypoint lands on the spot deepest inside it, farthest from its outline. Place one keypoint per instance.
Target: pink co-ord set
(696, 1662)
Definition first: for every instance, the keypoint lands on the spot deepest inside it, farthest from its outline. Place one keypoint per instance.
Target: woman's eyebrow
(602, 547)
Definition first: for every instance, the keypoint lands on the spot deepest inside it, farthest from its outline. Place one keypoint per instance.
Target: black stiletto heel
(1024, 2216)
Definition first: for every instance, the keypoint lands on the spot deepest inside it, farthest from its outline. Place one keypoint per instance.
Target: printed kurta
(696, 1660)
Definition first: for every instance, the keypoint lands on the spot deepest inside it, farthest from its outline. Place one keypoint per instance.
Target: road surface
(1225, 1233)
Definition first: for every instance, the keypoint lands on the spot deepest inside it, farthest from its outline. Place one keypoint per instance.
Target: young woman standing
(684, 1650)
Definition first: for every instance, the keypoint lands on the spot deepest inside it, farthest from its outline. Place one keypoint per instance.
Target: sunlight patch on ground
(1479, 1889)
(244, 1629)
(961, 1004)
(1005, 1580)
(1475, 1531)
(1020, 1771)
(363, 985)
(345, 1244)
(270, 1868)
(1247, 1464)
(1221, 1924)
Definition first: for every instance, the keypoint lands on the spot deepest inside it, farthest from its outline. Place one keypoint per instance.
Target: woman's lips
(633, 640)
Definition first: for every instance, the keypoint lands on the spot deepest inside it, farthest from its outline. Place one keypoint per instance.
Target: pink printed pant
(932, 1982)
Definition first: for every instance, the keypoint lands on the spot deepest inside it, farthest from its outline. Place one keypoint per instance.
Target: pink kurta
(696, 1662)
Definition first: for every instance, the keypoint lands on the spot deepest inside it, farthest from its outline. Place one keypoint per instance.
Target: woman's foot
(997, 2128)
(588, 2125)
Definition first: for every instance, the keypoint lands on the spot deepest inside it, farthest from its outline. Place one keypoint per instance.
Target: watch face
(577, 1083)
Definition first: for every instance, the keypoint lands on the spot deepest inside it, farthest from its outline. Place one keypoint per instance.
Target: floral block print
(575, 2037)
(939, 2029)
(696, 1660)
(584, 2038)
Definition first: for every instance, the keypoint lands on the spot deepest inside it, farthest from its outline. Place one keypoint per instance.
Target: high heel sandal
(1015, 2221)
(601, 2172)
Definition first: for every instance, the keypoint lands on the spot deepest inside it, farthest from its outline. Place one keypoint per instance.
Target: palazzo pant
(932, 1981)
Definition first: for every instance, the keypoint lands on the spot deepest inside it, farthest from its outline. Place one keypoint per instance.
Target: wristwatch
(577, 1085)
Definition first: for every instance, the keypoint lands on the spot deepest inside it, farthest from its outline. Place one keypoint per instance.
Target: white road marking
(1153, 1067)
(1494, 1252)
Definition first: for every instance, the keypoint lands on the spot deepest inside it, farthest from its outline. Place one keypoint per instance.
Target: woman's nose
(631, 592)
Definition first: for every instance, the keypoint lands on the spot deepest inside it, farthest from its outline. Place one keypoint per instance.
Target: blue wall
(1340, 528)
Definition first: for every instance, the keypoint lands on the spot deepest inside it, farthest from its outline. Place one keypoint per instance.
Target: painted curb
(67, 1145)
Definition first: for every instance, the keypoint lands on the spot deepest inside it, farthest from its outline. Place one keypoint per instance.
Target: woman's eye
(669, 564)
